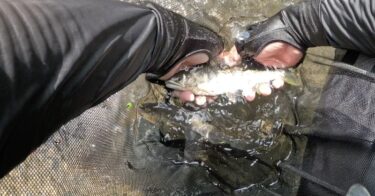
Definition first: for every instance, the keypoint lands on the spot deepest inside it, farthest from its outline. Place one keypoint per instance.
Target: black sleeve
(58, 58)
(347, 24)
(61, 57)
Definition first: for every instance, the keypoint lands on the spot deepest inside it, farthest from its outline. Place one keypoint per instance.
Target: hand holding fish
(277, 55)
(230, 58)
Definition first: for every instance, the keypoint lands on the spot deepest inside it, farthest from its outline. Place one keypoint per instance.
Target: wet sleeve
(59, 58)
(347, 24)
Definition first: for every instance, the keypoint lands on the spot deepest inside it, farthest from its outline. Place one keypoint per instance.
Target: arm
(347, 24)
(282, 40)
(59, 58)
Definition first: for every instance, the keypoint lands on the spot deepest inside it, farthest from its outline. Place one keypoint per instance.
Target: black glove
(179, 38)
(297, 25)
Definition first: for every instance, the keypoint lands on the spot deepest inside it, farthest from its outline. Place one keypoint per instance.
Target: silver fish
(212, 81)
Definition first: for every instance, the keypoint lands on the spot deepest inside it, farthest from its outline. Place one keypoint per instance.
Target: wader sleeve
(347, 24)
(59, 58)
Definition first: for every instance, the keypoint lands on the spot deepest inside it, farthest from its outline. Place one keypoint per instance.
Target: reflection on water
(238, 144)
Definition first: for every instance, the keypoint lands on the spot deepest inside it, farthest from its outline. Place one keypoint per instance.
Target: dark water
(239, 145)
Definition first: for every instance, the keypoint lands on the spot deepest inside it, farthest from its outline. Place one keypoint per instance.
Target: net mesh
(340, 149)
(129, 145)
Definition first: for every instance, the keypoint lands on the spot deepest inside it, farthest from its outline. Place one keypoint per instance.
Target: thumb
(280, 55)
(230, 58)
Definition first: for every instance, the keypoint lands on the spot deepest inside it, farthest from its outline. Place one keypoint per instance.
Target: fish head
(193, 80)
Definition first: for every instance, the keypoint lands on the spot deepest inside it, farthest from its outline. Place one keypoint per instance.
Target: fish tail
(292, 77)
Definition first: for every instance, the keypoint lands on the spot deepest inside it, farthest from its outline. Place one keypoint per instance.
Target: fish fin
(174, 85)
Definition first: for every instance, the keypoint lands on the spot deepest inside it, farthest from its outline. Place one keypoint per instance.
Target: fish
(213, 81)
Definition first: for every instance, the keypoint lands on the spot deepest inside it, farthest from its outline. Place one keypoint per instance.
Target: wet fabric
(342, 24)
(114, 148)
(341, 149)
(107, 151)
(59, 58)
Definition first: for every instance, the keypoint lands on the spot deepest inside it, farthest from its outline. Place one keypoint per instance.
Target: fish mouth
(174, 85)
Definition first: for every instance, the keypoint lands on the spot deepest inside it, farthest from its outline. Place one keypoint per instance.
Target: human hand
(187, 96)
(278, 55)
(273, 44)
(181, 44)
(229, 58)
(191, 45)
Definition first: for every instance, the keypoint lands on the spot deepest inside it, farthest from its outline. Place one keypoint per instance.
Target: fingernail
(200, 100)
(186, 96)
(191, 97)
(278, 84)
(265, 89)
(250, 97)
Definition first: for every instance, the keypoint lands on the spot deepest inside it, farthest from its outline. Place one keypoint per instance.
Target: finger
(186, 63)
(211, 99)
(278, 83)
(279, 55)
(236, 58)
(184, 96)
(264, 89)
(200, 100)
(230, 58)
(250, 95)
